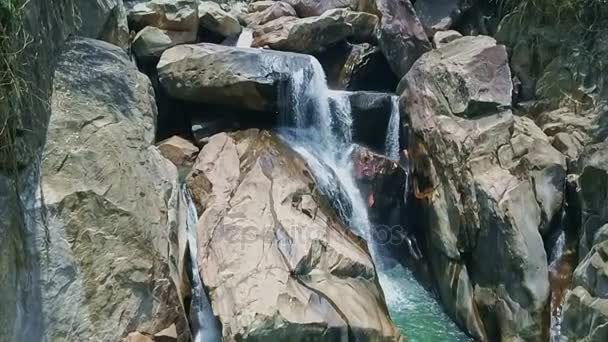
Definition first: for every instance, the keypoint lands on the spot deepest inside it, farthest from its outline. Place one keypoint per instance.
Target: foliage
(571, 33)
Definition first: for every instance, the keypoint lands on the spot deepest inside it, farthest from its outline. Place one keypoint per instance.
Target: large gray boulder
(364, 24)
(401, 35)
(307, 35)
(150, 43)
(488, 183)
(112, 261)
(261, 15)
(277, 261)
(239, 77)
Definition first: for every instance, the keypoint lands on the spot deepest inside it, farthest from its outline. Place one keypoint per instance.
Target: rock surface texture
(240, 77)
(586, 307)
(109, 203)
(488, 183)
(276, 260)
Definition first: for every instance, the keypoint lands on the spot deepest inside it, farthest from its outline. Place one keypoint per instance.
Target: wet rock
(111, 202)
(363, 24)
(371, 113)
(262, 15)
(178, 150)
(401, 35)
(311, 8)
(243, 78)
(357, 67)
(151, 42)
(441, 38)
(277, 261)
(213, 18)
(474, 73)
(486, 183)
(306, 35)
(585, 316)
(174, 15)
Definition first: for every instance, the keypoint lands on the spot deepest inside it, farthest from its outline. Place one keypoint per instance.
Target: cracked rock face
(110, 264)
(276, 260)
(489, 184)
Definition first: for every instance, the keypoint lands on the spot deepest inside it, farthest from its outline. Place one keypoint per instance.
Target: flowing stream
(321, 134)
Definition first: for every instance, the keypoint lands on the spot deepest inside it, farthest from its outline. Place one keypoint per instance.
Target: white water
(245, 38)
(204, 324)
(324, 139)
(554, 260)
(392, 133)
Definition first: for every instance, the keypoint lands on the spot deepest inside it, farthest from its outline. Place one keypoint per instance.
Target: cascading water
(562, 261)
(392, 133)
(323, 138)
(204, 325)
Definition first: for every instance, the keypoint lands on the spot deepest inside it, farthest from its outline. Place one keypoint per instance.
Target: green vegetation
(565, 42)
(13, 41)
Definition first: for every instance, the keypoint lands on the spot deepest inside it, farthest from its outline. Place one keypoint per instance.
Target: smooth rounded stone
(111, 205)
(277, 10)
(175, 15)
(105, 20)
(278, 262)
(472, 72)
(213, 18)
(151, 42)
(441, 38)
(178, 150)
(307, 35)
(364, 24)
(311, 8)
(239, 77)
(488, 183)
(357, 67)
(401, 35)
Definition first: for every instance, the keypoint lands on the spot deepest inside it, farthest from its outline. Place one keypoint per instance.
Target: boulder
(111, 205)
(178, 150)
(585, 317)
(441, 38)
(474, 73)
(213, 18)
(105, 20)
(363, 24)
(486, 183)
(277, 261)
(150, 43)
(440, 15)
(585, 311)
(311, 8)
(174, 15)
(401, 35)
(263, 15)
(357, 67)
(307, 35)
(259, 6)
(243, 78)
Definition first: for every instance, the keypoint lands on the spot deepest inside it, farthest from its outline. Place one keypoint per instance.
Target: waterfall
(317, 124)
(245, 38)
(392, 132)
(204, 325)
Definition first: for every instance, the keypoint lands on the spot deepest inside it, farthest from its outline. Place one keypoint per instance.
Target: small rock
(441, 38)
(213, 18)
(178, 150)
(151, 42)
